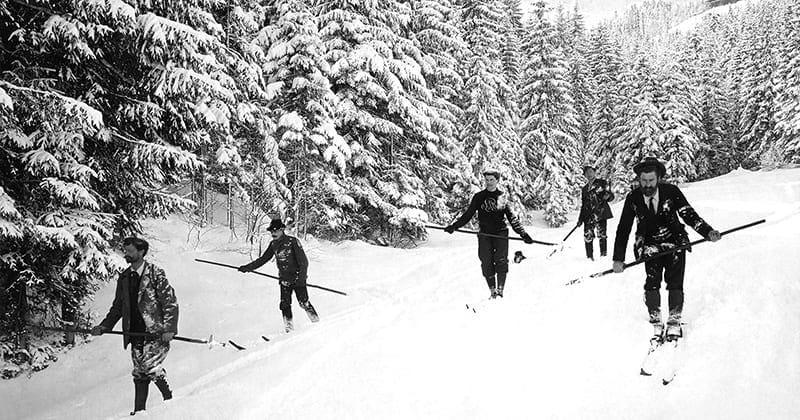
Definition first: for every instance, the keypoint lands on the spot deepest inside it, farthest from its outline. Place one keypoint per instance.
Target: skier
(292, 268)
(492, 207)
(656, 206)
(146, 303)
(595, 210)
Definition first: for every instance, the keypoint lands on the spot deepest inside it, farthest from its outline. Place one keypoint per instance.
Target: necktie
(652, 206)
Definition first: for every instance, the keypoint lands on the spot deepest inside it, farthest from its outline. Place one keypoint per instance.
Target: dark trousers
(589, 229)
(669, 268)
(301, 291)
(493, 253)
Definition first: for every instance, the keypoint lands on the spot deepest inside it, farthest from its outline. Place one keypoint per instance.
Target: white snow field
(402, 345)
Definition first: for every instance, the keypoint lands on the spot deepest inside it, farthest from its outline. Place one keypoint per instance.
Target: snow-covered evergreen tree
(787, 114)
(605, 68)
(488, 128)
(550, 127)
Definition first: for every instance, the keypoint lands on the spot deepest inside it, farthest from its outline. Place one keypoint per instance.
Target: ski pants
(148, 359)
(589, 228)
(671, 269)
(301, 291)
(493, 253)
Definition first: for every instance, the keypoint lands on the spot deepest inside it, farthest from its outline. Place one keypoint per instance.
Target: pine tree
(488, 128)
(550, 127)
(788, 87)
(605, 68)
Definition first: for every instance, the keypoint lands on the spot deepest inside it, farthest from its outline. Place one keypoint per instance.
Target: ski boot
(288, 325)
(494, 293)
(674, 331)
(499, 292)
(310, 311)
(163, 386)
(141, 386)
(658, 333)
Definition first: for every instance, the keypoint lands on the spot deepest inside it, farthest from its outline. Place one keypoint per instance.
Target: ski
(265, 338)
(670, 361)
(238, 347)
(649, 364)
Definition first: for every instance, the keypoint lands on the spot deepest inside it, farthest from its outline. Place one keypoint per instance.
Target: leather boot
(163, 386)
(603, 247)
(589, 250)
(141, 387)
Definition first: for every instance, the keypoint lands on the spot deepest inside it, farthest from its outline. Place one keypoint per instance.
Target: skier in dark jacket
(595, 211)
(292, 271)
(146, 303)
(492, 208)
(656, 206)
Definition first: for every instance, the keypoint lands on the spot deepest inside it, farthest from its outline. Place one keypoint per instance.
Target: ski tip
(264, 338)
(666, 382)
(467, 305)
(238, 347)
(644, 373)
(473, 311)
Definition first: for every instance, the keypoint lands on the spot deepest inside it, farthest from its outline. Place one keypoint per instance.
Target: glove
(714, 236)
(619, 266)
(450, 229)
(580, 222)
(286, 283)
(527, 239)
(518, 257)
(243, 269)
(98, 330)
(167, 336)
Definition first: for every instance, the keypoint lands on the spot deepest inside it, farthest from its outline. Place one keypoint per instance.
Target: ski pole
(667, 252)
(561, 247)
(267, 275)
(209, 341)
(513, 238)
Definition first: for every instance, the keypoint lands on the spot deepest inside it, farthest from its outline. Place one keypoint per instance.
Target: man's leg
(652, 289)
(301, 291)
(602, 235)
(141, 381)
(588, 237)
(487, 261)
(286, 307)
(501, 261)
(148, 365)
(674, 270)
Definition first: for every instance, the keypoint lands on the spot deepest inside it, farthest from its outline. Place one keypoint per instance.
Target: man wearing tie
(656, 206)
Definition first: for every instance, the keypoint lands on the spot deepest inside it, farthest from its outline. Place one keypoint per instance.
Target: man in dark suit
(146, 303)
(292, 271)
(595, 211)
(656, 206)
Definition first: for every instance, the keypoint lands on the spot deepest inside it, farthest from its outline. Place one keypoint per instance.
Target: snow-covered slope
(690, 24)
(402, 344)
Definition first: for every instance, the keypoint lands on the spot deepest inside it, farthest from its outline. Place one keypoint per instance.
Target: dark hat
(588, 166)
(275, 224)
(493, 172)
(648, 163)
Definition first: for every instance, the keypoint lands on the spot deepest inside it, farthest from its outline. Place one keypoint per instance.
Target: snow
(693, 22)
(402, 344)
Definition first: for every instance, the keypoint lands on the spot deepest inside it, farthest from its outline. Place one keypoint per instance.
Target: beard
(129, 259)
(648, 191)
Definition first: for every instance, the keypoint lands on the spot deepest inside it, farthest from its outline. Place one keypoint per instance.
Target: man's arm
(513, 220)
(584, 207)
(624, 229)
(166, 299)
(263, 259)
(690, 216)
(302, 261)
(606, 193)
(467, 216)
(114, 313)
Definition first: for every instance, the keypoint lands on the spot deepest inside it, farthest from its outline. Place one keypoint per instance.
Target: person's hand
(527, 239)
(619, 266)
(243, 269)
(580, 222)
(167, 336)
(285, 283)
(450, 229)
(714, 236)
(98, 330)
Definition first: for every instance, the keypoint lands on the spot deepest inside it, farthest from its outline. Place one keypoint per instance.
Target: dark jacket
(289, 256)
(157, 303)
(493, 209)
(662, 230)
(594, 201)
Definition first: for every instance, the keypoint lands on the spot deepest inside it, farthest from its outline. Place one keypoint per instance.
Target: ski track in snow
(403, 345)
